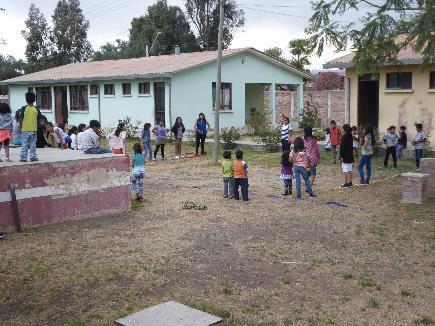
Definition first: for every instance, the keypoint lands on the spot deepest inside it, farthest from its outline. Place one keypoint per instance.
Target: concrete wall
(401, 107)
(254, 95)
(192, 89)
(64, 190)
(331, 104)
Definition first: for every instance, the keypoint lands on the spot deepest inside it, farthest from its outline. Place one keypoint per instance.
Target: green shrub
(319, 134)
(271, 138)
(229, 136)
(310, 114)
(257, 121)
(132, 129)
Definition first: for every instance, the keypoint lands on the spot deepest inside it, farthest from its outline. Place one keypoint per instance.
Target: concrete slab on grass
(170, 313)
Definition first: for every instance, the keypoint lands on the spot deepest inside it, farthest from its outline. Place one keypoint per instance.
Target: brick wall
(427, 166)
(283, 101)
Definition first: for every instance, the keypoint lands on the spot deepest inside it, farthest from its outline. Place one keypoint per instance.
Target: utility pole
(218, 102)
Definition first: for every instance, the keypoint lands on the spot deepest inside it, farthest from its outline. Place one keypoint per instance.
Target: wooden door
(159, 101)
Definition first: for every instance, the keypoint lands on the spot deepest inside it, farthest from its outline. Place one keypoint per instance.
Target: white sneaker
(176, 156)
(154, 159)
(163, 159)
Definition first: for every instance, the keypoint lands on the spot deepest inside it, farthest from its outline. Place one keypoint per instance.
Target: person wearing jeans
(228, 175)
(240, 177)
(29, 117)
(298, 171)
(201, 128)
(419, 143)
(91, 139)
(366, 155)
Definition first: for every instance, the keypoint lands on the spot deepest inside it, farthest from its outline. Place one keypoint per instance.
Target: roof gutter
(343, 65)
(85, 79)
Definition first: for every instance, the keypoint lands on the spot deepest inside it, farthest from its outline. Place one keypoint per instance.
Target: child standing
(6, 122)
(145, 139)
(228, 175)
(160, 132)
(327, 140)
(355, 138)
(402, 142)
(16, 129)
(117, 139)
(301, 166)
(178, 131)
(286, 130)
(335, 139)
(367, 144)
(240, 177)
(138, 172)
(390, 139)
(313, 153)
(29, 118)
(419, 142)
(286, 173)
(346, 155)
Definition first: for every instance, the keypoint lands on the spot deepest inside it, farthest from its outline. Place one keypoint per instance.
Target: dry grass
(266, 262)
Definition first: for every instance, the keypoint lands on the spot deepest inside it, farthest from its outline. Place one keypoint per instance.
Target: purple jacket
(287, 170)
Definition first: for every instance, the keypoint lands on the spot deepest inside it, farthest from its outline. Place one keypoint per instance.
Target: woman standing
(178, 131)
(201, 128)
(346, 155)
(160, 132)
(286, 130)
(367, 144)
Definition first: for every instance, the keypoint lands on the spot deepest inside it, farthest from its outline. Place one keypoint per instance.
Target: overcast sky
(267, 24)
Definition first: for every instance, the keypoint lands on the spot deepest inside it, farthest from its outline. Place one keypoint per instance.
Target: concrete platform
(63, 185)
(46, 155)
(170, 313)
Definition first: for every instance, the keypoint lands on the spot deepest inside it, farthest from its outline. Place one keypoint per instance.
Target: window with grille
(226, 96)
(126, 89)
(144, 88)
(78, 95)
(93, 91)
(399, 80)
(109, 89)
(43, 98)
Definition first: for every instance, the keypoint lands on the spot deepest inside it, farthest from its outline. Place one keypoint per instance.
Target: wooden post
(15, 207)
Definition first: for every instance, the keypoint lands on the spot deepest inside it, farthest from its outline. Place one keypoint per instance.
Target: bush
(229, 136)
(131, 128)
(257, 121)
(271, 138)
(310, 114)
(319, 134)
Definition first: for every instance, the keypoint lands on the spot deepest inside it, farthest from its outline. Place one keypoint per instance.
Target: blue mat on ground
(335, 203)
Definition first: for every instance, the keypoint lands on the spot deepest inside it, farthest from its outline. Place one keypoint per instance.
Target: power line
(105, 11)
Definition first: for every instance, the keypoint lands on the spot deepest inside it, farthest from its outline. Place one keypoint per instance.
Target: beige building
(399, 95)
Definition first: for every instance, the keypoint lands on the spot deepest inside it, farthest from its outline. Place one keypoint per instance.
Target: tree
(301, 49)
(328, 80)
(36, 35)
(116, 50)
(276, 53)
(170, 21)
(204, 14)
(69, 36)
(10, 68)
(392, 26)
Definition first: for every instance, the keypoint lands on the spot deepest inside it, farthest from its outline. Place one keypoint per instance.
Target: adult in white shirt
(286, 132)
(91, 139)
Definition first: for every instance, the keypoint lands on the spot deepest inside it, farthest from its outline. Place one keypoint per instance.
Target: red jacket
(335, 136)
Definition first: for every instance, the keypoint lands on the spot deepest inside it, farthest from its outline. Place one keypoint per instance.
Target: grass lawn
(271, 261)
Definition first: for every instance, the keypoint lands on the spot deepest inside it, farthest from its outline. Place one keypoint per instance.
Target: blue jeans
(367, 161)
(28, 141)
(148, 148)
(137, 181)
(418, 157)
(67, 140)
(98, 150)
(298, 171)
(399, 149)
(228, 187)
(243, 183)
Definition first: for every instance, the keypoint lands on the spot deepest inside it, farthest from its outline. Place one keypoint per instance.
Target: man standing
(335, 139)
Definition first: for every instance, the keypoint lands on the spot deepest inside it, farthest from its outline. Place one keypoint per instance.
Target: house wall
(192, 89)
(254, 94)
(402, 107)
(113, 108)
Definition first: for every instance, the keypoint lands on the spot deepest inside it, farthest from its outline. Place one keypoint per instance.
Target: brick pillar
(427, 166)
(414, 187)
